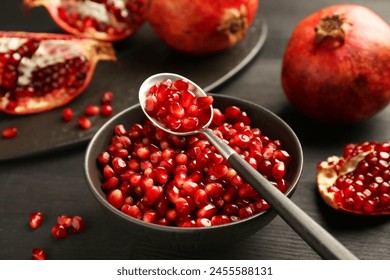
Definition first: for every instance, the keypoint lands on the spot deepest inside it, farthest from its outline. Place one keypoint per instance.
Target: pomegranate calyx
(331, 30)
(234, 24)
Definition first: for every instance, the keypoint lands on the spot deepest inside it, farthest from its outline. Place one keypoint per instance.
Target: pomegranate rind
(88, 9)
(91, 50)
(330, 170)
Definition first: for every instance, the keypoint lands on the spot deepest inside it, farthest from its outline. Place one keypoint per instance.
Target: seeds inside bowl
(183, 180)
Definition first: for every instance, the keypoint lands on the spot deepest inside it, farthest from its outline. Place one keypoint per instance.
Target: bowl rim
(104, 202)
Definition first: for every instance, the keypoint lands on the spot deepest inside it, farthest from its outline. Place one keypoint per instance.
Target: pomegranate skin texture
(201, 27)
(336, 65)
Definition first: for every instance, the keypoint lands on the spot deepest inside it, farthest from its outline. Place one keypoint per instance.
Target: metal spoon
(311, 232)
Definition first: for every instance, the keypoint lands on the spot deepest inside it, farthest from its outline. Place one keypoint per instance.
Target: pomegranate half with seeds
(359, 180)
(39, 72)
(97, 19)
(201, 27)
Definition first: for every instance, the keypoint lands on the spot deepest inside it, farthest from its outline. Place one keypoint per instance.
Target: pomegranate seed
(132, 210)
(78, 224)
(84, 122)
(106, 110)
(59, 231)
(67, 114)
(115, 198)
(35, 220)
(10, 132)
(64, 220)
(279, 170)
(91, 110)
(38, 254)
(107, 97)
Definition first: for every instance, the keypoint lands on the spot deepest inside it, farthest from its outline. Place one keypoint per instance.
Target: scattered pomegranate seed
(64, 220)
(84, 122)
(38, 254)
(78, 224)
(106, 110)
(107, 97)
(183, 181)
(35, 220)
(59, 231)
(67, 114)
(91, 110)
(10, 132)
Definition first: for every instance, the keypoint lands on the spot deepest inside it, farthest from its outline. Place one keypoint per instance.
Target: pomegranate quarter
(359, 180)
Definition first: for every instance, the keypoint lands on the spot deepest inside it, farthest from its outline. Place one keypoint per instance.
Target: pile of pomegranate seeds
(64, 224)
(358, 181)
(175, 105)
(184, 181)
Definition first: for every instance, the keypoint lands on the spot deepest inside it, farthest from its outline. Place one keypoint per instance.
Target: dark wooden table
(53, 182)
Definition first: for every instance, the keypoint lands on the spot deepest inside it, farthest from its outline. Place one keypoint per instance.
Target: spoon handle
(310, 231)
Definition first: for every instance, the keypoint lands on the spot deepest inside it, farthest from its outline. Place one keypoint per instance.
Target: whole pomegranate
(201, 27)
(336, 64)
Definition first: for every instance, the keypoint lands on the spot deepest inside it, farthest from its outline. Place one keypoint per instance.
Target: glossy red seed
(64, 220)
(106, 110)
(115, 198)
(84, 123)
(67, 114)
(92, 110)
(107, 97)
(132, 210)
(59, 231)
(38, 254)
(78, 224)
(9, 132)
(36, 219)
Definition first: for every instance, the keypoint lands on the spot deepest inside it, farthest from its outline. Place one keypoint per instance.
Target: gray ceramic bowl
(193, 238)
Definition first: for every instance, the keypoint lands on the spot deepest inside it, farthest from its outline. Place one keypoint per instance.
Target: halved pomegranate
(40, 71)
(359, 180)
(105, 20)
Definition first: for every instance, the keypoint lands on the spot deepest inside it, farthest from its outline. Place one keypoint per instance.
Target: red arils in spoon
(9, 132)
(182, 180)
(359, 181)
(35, 220)
(39, 72)
(175, 106)
(98, 19)
(38, 254)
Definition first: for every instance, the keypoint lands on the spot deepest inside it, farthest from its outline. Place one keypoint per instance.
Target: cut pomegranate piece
(97, 19)
(39, 71)
(359, 180)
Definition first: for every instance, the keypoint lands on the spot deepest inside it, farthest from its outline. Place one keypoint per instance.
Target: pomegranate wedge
(104, 20)
(39, 71)
(359, 181)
